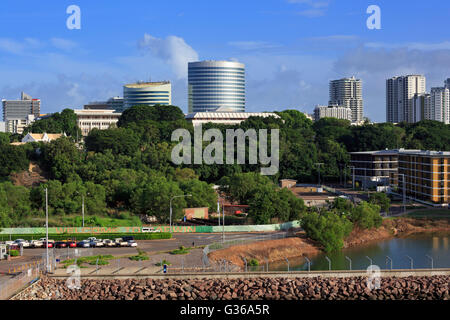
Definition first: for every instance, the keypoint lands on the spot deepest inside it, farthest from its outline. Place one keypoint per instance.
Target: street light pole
(404, 190)
(353, 176)
(223, 223)
(318, 165)
(82, 208)
(170, 218)
(46, 227)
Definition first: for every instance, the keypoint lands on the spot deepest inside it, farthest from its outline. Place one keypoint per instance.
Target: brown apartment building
(427, 175)
(374, 168)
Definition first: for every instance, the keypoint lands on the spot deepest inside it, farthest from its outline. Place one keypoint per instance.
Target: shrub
(100, 262)
(14, 253)
(328, 228)
(142, 255)
(158, 264)
(367, 215)
(180, 250)
(253, 263)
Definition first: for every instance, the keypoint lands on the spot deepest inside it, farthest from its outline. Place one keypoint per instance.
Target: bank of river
(417, 246)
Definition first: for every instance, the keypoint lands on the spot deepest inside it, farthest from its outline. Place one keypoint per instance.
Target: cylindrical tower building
(216, 84)
(149, 93)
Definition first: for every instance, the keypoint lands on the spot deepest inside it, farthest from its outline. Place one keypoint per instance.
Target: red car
(60, 244)
(72, 244)
(50, 244)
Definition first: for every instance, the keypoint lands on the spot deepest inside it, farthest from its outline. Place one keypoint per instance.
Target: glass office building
(146, 93)
(216, 84)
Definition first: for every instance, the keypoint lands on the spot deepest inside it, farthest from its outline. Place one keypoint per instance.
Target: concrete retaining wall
(90, 273)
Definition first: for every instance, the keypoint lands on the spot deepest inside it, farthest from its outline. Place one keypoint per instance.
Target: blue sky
(291, 48)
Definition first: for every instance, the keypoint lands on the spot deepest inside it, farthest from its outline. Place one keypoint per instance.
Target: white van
(149, 229)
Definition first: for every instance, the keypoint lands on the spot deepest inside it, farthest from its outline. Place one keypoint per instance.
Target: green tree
(366, 215)
(61, 159)
(118, 140)
(328, 228)
(381, 199)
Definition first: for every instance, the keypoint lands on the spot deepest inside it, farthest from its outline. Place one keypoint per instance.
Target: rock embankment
(408, 288)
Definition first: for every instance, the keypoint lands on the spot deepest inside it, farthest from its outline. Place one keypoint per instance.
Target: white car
(37, 243)
(45, 239)
(84, 244)
(150, 229)
(22, 242)
(132, 243)
(120, 242)
(109, 243)
(96, 243)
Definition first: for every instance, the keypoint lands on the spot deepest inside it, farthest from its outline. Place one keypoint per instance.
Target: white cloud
(253, 45)
(311, 13)
(316, 8)
(311, 3)
(425, 46)
(173, 50)
(336, 37)
(18, 47)
(63, 44)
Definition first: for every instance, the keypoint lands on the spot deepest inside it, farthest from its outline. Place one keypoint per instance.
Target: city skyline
(291, 50)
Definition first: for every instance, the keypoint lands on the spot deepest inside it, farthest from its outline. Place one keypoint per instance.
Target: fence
(224, 266)
(12, 284)
(57, 256)
(7, 233)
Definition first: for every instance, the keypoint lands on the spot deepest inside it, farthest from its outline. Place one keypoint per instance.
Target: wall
(176, 229)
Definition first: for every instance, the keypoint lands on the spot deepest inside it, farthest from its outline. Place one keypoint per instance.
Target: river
(417, 246)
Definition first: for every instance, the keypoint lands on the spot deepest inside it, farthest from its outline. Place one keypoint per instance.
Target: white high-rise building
(216, 85)
(400, 92)
(347, 92)
(447, 83)
(18, 114)
(440, 104)
(421, 105)
(332, 112)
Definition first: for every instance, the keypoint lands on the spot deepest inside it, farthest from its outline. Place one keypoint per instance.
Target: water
(417, 246)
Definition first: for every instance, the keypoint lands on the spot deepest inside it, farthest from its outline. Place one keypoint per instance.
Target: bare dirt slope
(273, 250)
(30, 178)
(395, 227)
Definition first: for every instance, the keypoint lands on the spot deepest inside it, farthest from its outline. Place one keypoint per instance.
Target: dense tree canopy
(64, 122)
(129, 168)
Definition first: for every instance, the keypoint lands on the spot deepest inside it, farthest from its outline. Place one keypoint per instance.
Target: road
(179, 239)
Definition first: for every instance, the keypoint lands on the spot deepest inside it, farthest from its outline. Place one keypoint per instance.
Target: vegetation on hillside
(129, 168)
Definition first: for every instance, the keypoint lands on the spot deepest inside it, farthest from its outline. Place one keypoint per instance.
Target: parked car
(49, 245)
(150, 229)
(109, 243)
(83, 244)
(45, 239)
(120, 242)
(92, 239)
(72, 244)
(37, 244)
(60, 244)
(95, 244)
(22, 242)
(132, 243)
(127, 238)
